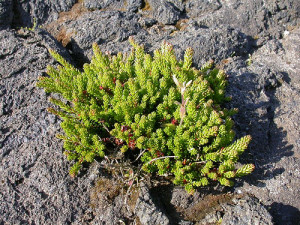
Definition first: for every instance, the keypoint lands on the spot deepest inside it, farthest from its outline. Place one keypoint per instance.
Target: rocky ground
(257, 42)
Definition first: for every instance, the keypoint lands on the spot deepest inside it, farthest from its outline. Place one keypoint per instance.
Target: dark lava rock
(95, 4)
(25, 12)
(6, 13)
(112, 34)
(247, 210)
(147, 22)
(106, 4)
(101, 27)
(267, 94)
(131, 5)
(147, 211)
(35, 187)
(164, 11)
(210, 43)
(196, 8)
(173, 205)
(258, 19)
(134, 5)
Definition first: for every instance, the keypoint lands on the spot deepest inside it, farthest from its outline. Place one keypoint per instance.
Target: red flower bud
(174, 122)
(124, 128)
(131, 144)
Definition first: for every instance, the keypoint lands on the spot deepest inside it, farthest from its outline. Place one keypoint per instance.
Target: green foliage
(158, 106)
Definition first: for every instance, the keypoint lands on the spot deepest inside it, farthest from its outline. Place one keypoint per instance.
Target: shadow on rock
(260, 93)
(283, 213)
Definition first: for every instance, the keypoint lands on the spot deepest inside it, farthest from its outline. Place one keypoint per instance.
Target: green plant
(156, 109)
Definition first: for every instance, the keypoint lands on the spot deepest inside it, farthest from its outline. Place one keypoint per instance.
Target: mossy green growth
(159, 108)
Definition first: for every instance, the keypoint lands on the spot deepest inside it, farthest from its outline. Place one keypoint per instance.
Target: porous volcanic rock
(34, 181)
(6, 13)
(259, 19)
(39, 11)
(247, 210)
(147, 211)
(266, 91)
(164, 12)
(115, 27)
(196, 8)
(106, 4)
(255, 41)
(167, 204)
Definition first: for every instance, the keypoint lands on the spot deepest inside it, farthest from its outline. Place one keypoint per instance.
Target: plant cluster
(160, 110)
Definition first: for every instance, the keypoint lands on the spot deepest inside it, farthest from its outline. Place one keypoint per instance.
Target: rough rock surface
(273, 122)
(6, 13)
(259, 19)
(246, 211)
(113, 32)
(147, 211)
(196, 8)
(115, 27)
(172, 205)
(164, 12)
(106, 4)
(34, 182)
(256, 42)
(39, 11)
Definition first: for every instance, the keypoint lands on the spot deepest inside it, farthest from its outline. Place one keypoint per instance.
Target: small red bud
(124, 128)
(174, 122)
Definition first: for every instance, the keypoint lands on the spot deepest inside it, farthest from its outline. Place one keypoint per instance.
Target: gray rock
(95, 4)
(40, 10)
(34, 186)
(208, 43)
(255, 18)
(134, 5)
(247, 211)
(34, 183)
(213, 43)
(147, 22)
(106, 4)
(101, 27)
(6, 13)
(179, 5)
(196, 8)
(147, 211)
(267, 93)
(164, 11)
(278, 60)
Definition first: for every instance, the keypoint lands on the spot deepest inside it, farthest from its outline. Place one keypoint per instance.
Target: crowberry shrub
(163, 110)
